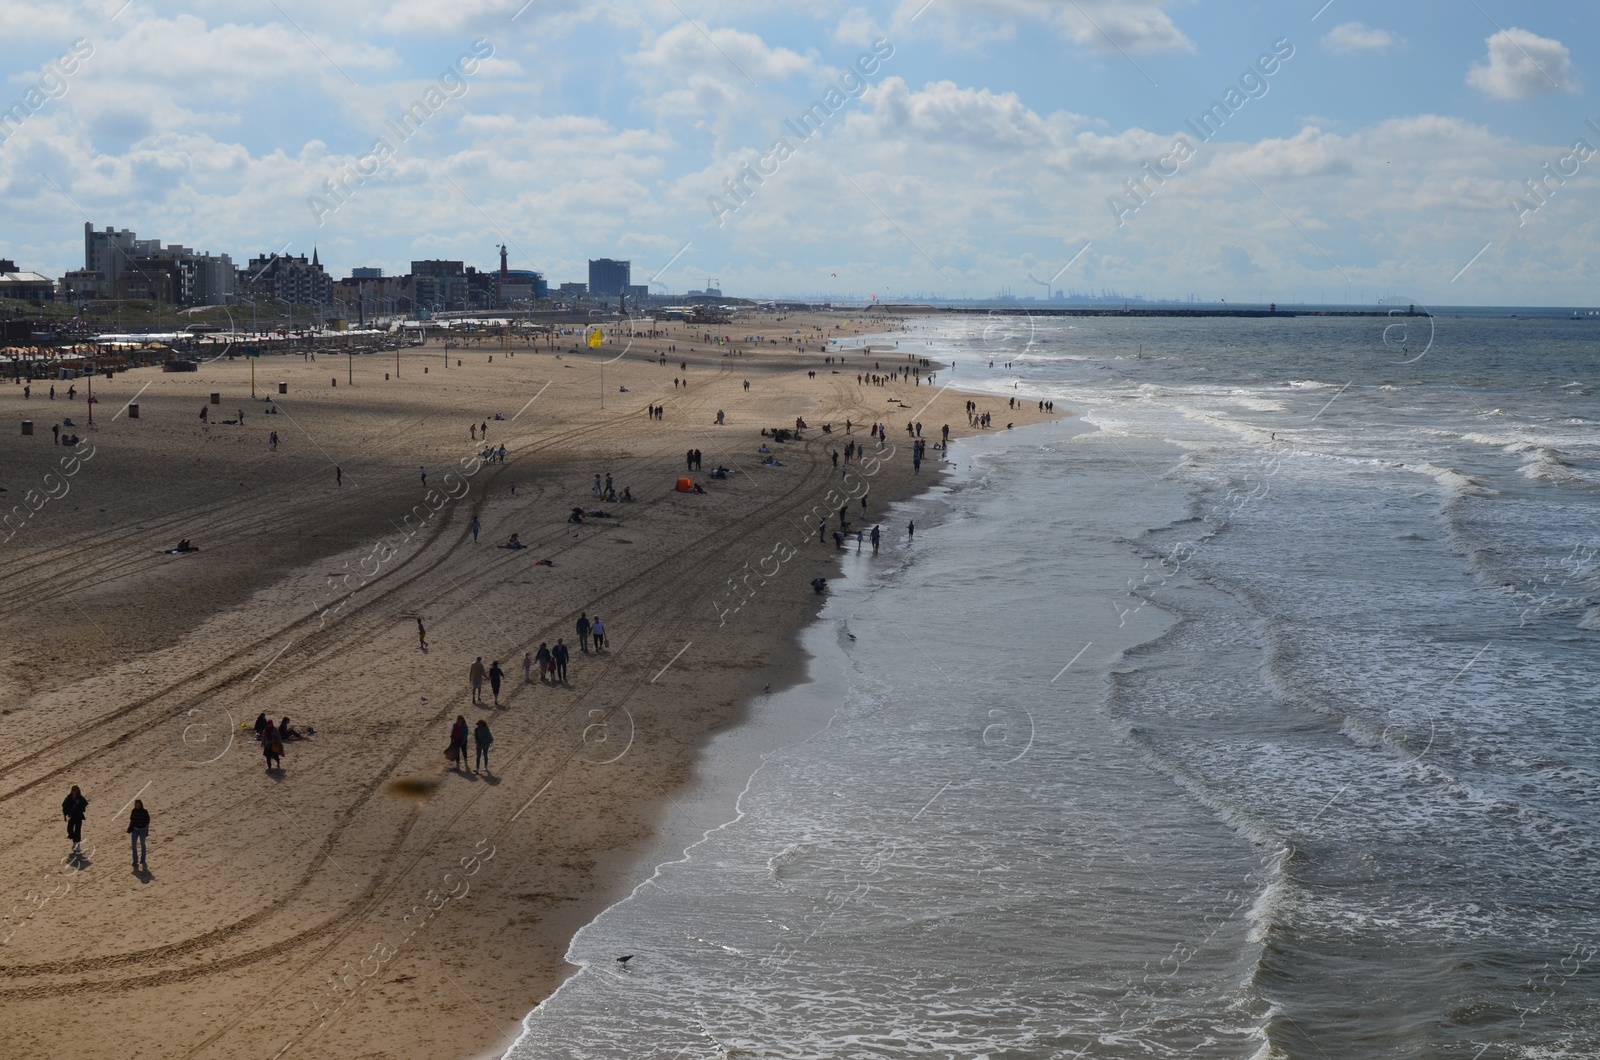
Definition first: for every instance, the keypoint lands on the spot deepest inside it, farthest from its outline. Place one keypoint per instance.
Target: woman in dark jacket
(271, 746)
(73, 808)
(458, 742)
(138, 828)
(482, 737)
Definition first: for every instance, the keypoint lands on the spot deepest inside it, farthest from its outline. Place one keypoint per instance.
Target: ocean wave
(1499, 441)
(1547, 466)
(1256, 404)
(1458, 483)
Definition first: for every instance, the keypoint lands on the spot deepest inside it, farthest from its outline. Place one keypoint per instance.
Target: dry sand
(319, 912)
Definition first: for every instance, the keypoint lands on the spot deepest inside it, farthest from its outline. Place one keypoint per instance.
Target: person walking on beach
(911, 529)
(422, 635)
(138, 829)
(424, 473)
(272, 746)
(482, 738)
(73, 809)
(876, 535)
(527, 667)
(495, 676)
(595, 489)
(338, 476)
(474, 529)
(458, 743)
(545, 660)
(583, 633)
(559, 654)
(597, 629)
(475, 679)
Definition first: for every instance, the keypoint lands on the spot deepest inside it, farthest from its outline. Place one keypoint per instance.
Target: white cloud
(1359, 37)
(1521, 65)
(1105, 26)
(1309, 153)
(1124, 25)
(944, 114)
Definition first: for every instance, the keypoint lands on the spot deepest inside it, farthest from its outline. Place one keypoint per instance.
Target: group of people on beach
(552, 663)
(74, 810)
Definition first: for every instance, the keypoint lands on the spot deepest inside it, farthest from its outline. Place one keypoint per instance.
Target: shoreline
(766, 722)
(313, 906)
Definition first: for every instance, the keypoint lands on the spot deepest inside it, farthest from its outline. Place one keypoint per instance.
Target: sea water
(1250, 713)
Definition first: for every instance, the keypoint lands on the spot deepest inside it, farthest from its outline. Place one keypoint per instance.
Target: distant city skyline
(959, 147)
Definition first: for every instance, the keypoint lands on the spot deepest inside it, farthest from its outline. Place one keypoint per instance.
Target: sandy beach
(369, 900)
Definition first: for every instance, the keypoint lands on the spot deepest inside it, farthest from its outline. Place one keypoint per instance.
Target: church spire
(314, 262)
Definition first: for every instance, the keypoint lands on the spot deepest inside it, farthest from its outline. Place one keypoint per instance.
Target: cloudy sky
(1386, 149)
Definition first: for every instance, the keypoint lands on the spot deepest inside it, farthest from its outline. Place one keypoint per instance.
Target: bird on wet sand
(624, 960)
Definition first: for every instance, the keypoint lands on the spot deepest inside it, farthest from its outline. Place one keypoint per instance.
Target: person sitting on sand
(627, 495)
(513, 542)
(576, 516)
(763, 449)
(289, 732)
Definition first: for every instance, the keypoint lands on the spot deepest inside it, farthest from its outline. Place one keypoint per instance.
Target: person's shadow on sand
(277, 774)
(144, 875)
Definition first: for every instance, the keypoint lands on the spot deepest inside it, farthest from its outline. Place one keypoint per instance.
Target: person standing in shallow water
(73, 810)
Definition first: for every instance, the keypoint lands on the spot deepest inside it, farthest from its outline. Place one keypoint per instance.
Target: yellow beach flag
(595, 338)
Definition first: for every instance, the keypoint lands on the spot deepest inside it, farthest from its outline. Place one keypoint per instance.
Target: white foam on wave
(1257, 404)
(1546, 466)
(1455, 482)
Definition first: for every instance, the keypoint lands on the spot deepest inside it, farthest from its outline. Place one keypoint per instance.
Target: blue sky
(1387, 156)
